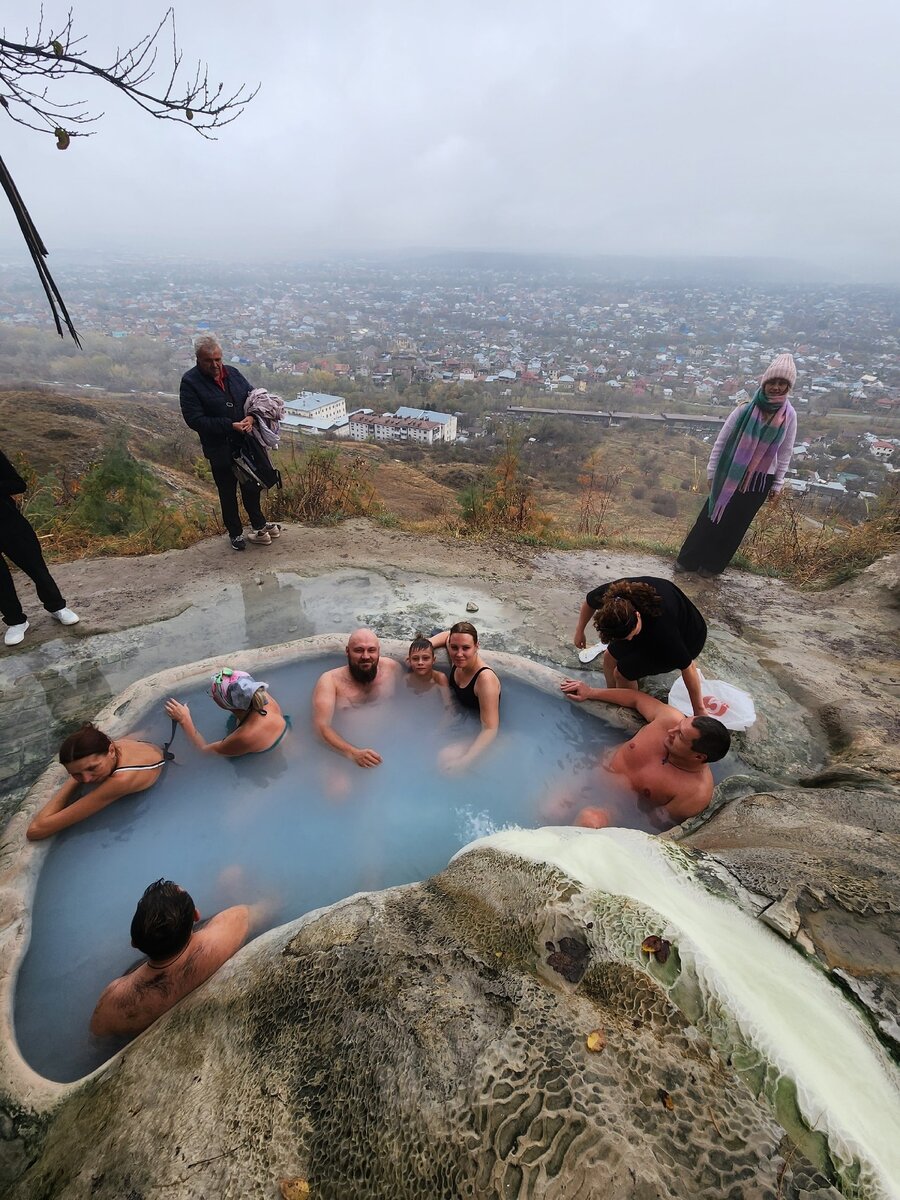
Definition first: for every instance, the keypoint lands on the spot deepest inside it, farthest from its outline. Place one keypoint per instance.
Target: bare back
(133, 1002)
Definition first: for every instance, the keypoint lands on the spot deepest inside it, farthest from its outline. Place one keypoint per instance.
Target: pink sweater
(785, 446)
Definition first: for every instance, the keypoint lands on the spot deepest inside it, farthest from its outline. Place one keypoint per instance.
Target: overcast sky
(765, 128)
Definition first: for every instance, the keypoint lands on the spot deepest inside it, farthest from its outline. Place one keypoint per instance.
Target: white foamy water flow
(846, 1085)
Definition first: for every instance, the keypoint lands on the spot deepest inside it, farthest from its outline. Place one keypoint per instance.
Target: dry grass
(589, 487)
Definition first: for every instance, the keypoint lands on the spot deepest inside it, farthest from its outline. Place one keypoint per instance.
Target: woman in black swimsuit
(117, 768)
(475, 686)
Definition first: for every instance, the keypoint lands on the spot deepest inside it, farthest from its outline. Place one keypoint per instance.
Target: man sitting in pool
(666, 762)
(179, 958)
(367, 677)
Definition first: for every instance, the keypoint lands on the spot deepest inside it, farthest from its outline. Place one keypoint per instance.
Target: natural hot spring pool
(297, 828)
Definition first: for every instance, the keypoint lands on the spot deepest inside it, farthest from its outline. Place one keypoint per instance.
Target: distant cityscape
(552, 330)
(415, 344)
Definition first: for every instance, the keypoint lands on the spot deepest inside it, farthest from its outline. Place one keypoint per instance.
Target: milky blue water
(296, 828)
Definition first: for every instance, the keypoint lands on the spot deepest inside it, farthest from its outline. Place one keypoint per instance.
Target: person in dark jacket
(19, 543)
(212, 403)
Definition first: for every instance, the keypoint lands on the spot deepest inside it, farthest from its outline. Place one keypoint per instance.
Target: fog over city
(638, 127)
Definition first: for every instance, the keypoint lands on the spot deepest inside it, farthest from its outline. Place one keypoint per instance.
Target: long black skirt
(712, 545)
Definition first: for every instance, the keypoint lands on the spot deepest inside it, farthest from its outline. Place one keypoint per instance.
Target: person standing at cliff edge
(212, 400)
(19, 543)
(746, 467)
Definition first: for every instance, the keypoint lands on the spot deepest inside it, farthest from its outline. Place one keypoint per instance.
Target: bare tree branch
(29, 70)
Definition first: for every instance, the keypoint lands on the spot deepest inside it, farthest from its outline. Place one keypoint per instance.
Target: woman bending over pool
(116, 769)
(259, 722)
(476, 686)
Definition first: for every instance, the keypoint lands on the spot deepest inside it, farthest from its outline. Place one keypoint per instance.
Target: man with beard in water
(366, 677)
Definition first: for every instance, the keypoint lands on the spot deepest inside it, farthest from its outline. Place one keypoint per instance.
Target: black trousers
(20, 544)
(712, 545)
(227, 484)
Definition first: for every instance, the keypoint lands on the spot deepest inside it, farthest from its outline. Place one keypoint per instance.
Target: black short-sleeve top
(669, 642)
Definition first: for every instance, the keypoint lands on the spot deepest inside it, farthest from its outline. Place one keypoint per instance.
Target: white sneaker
(16, 634)
(65, 616)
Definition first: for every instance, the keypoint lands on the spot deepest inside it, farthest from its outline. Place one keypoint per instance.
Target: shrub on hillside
(664, 504)
(321, 486)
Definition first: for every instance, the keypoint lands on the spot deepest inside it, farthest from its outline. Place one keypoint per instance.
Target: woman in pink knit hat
(746, 467)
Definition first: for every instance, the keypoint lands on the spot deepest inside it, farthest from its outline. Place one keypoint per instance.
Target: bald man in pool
(366, 678)
(179, 958)
(666, 762)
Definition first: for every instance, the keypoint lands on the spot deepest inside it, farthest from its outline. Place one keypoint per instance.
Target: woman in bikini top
(259, 723)
(115, 768)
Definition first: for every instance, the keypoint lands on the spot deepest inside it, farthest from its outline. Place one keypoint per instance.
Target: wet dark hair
(420, 642)
(83, 742)
(163, 920)
(464, 627)
(714, 741)
(618, 612)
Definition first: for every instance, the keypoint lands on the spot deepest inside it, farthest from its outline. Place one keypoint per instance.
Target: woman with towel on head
(746, 467)
(259, 723)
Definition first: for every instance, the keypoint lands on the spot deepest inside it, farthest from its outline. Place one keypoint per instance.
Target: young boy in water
(422, 675)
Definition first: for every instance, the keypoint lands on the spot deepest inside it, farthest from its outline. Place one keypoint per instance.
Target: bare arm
(584, 615)
(62, 810)
(648, 706)
(694, 685)
(324, 698)
(231, 746)
(439, 639)
(487, 689)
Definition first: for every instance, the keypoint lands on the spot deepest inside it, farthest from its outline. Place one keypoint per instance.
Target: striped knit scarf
(749, 454)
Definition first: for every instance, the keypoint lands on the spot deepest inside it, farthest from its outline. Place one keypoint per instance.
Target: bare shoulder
(224, 933)
(488, 680)
(115, 1010)
(328, 682)
(664, 714)
(330, 677)
(440, 679)
(691, 799)
(389, 666)
(136, 753)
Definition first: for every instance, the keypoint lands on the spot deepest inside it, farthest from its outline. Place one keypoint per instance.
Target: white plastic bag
(727, 703)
